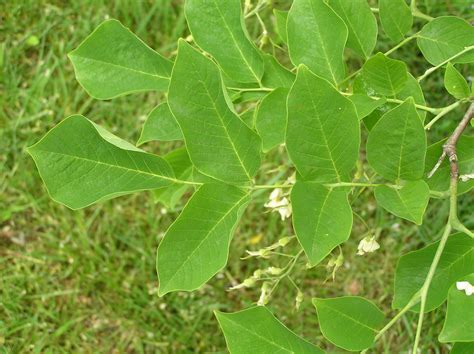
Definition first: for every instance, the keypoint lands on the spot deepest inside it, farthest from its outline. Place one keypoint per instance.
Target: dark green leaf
(396, 18)
(387, 76)
(160, 125)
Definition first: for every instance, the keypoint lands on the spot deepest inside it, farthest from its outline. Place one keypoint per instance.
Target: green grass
(84, 281)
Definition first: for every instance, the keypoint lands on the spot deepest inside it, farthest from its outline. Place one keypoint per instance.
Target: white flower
(367, 245)
(466, 286)
(467, 177)
(279, 203)
(247, 283)
(264, 294)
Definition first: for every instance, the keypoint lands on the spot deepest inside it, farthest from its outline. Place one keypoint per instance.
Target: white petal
(462, 285)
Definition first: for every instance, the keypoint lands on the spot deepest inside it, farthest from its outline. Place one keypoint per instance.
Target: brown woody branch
(449, 148)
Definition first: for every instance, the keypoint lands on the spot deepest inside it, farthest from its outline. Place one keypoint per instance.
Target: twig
(449, 148)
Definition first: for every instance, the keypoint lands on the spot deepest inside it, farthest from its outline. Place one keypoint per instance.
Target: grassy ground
(85, 281)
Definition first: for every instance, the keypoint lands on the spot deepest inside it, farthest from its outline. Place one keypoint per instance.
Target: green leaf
(365, 104)
(256, 330)
(396, 18)
(280, 19)
(311, 43)
(81, 163)
(323, 132)
(271, 118)
(444, 37)
(360, 22)
(218, 28)
(409, 202)
(411, 89)
(439, 182)
(160, 125)
(113, 62)
(396, 145)
(387, 76)
(350, 322)
(276, 75)
(322, 218)
(462, 348)
(196, 245)
(218, 142)
(456, 262)
(459, 323)
(455, 83)
(183, 169)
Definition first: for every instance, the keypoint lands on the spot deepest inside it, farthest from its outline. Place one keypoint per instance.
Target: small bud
(298, 300)
(339, 260)
(264, 294)
(247, 283)
(257, 274)
(284, 241)
(274, 270)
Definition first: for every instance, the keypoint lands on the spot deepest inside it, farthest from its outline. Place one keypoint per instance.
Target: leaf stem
(434, 68)
(442, 112)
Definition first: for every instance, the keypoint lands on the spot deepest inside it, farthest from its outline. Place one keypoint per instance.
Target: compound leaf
(459, 320)
(160, 125)
(311, 43)
(218, 142)
(113, 62)
(322, 218)
(396, 145)
(455, 83)
(81, 163)
(396, 18)
(270, 119)
(445, 37)
(196, 245)
(387, 76)
(256, 330)
(218, 28)
(360, 22)
(323, 132)
(350, 322)
(409, 202)
(456, 262)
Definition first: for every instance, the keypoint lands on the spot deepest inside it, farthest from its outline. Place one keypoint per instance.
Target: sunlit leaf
(310, 41)
(396, 145)
(323, 133)
(360, 22)
(322, 218)
(444, 37)
(196, 245)
(256, 330)
(113, 62)
(218, 28)
(387, 76)
(455, 83)
(350, 322)
(396, 18)
(81, 163)
(409, 202)
(218, 142)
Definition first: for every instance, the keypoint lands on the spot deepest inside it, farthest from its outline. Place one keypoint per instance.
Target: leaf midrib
(120, 66)
(237, 204)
